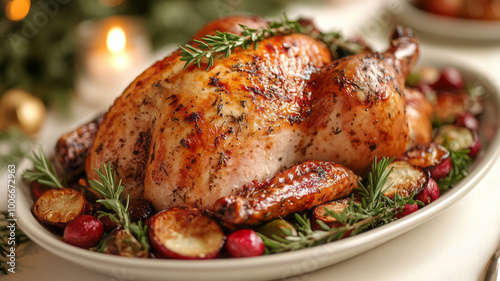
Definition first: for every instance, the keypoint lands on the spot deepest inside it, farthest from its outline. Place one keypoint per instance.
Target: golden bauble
(20, 108)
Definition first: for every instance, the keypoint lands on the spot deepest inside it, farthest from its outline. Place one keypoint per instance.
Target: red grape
(474, 148)
(468, 121)
(84, 232)
(407, 209)
(442, 169)
(430, 192)
(450, 79)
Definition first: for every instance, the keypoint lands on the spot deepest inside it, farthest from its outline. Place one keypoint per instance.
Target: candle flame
(116, 40)
(16, 10)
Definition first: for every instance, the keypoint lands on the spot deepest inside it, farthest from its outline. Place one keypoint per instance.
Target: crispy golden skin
(186, 137)
(297, 189)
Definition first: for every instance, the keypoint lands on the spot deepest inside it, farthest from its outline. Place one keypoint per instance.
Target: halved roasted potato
(405, 179)
(185, 233)
(458, 138)
(59, 206)
(433, 157)
(320, 213)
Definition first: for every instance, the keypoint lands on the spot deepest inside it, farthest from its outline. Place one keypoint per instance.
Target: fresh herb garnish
(374, 210)
(112, 191)
(44, 171)
(338, 46)
(224, 42)
(460, 161)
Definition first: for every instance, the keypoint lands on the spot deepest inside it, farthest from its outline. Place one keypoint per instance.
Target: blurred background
(53, 51)
(66, 60)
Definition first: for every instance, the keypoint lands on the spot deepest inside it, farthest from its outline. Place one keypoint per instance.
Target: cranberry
(244, 243)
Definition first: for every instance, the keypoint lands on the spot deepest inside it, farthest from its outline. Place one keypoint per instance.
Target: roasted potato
(433, 157)
(185, 233)
(319, 213)
(59, 206)
(405, 179)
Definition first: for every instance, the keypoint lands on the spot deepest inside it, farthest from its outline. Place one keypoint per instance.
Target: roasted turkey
(187, 137)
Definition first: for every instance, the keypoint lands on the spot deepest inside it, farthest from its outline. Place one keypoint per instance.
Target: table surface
(455, 245)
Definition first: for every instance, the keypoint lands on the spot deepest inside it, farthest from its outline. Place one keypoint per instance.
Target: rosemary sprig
(338, 46)
(224, 42)
(44, 171)
(460, 162)
(374, 210)
(112, 191)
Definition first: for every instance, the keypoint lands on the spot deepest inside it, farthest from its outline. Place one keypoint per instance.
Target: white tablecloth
(453, 246)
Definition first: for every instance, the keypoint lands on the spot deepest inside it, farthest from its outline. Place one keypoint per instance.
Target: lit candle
(116, 42)
(113, 53)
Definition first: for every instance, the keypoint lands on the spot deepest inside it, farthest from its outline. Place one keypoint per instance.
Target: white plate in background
(447, 27)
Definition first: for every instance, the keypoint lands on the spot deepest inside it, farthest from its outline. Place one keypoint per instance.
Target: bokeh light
(16, 10)
(110, 3)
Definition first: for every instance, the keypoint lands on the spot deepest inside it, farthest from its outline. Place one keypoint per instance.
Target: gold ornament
(20, 108)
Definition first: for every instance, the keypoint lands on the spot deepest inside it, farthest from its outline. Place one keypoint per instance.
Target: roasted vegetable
(433, 157)
(277, 227)
(84, 232)
(58, 207)
(405, 179)
(185, 233)
(119, 242)
(320, 213)
(458, 138)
